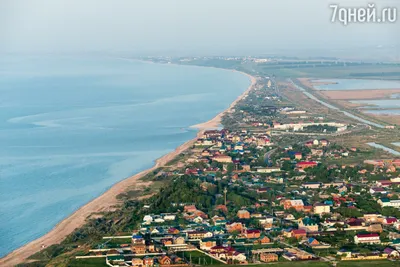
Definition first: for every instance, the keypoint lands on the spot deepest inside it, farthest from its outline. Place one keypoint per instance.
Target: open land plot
(359, 94)
(198, 258)
(95, 262)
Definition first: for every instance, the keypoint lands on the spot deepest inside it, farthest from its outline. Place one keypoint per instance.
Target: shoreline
(108, 200)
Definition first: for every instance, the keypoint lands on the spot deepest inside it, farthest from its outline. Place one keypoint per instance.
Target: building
(222, 159)
(207, 243)
(320, 208)
(198, 234)
(296, 233)
(308, 224)
(297, 204)
(268, 257)
(268, 170)
(233, 227)
(385, 202)
(306, 164)
(377, 190)
(243, 214)
(298, 155)
(252, 233)
(371, 238)
(312, 185)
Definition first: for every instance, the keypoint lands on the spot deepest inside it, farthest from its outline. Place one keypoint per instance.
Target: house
(148, 219)
(385, 202)
(297, 204)
(268, 257)
(179, 240)
(222, 159)
(323, 142)
(252, 233)
(298, 233)
(243, 214)
(377, 190)
(306, 164)
(263, 240)
(147, 261)
(313, 242)
(169, 217)
(320, 208)
(298, 155)
(370, 238)
(234, 226)
(138, 248)
(137, 239)
(312, 185)
(389, 220)
(392, 253)
(207, 243)
(173, 231)
(137, 262)
(308, 224)
(236, 256)
(165, 260)
(198, 234)
(268, 169)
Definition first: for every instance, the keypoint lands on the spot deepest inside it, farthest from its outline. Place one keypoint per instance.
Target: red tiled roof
(299, 232)
(307, 163)
(368, 235)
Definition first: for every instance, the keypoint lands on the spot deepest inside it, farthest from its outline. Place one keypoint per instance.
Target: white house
(371, 238)
(385, 202)
(169, 217)
(148, 219)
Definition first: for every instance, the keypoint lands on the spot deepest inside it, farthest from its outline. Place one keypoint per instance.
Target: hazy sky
(198, 26)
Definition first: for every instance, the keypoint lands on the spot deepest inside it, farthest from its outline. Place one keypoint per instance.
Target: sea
(72, 126)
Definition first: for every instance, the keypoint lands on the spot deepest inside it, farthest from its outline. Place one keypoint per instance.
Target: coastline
(108, 199)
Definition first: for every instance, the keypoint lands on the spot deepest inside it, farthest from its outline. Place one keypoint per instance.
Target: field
(96, 262)
(368, 263)
(291, 264)
(358, 94)
(199, 258)
(326, 264)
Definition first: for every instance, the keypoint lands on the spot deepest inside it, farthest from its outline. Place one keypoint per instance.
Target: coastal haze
(180, 27)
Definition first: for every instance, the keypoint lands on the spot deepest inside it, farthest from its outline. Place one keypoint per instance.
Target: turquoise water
(357, 84)
(383, 112)
(386, 106)
(72, 127)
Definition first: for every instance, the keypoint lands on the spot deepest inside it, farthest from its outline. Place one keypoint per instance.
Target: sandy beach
(108, 200)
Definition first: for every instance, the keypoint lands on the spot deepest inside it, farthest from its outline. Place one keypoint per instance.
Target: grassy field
(96, 262)
(368, 263)
(290, 264)
(198, 257)
(326, 264)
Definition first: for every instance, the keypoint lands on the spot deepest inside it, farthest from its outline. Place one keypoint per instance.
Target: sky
(186, 26)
